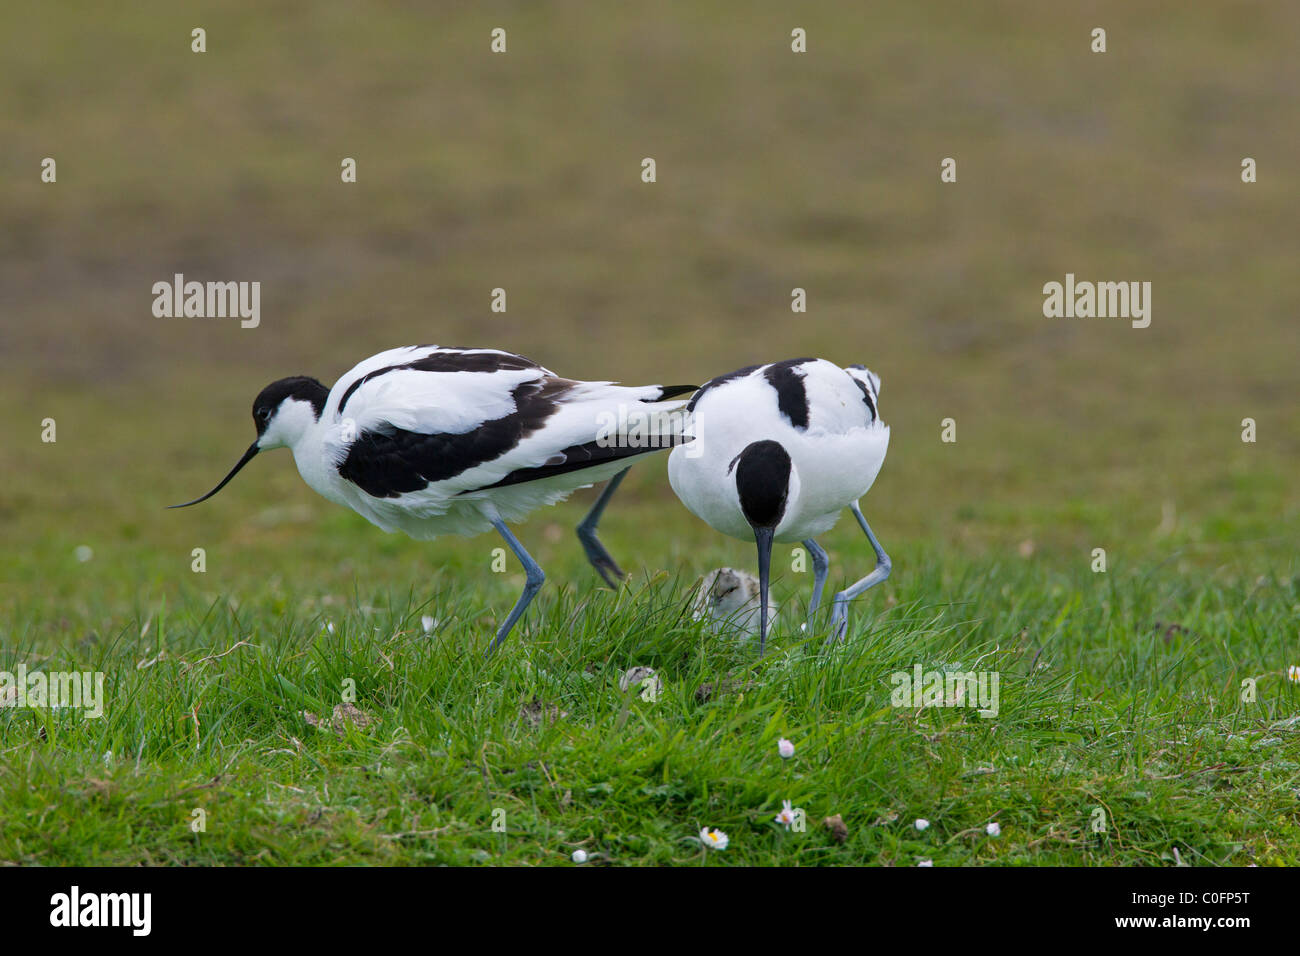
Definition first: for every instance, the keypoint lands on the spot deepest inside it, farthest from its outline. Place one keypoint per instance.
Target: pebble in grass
(645, 678)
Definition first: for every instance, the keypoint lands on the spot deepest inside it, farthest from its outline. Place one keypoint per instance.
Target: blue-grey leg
(596, 553)
(821, 568)
(840, 617)
(534, 578)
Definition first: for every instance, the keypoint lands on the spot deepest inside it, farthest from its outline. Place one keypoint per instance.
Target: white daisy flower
(785, 748)
(925, 862)
(786, 816)
(922, 823)
(714, 839)
(993, 829)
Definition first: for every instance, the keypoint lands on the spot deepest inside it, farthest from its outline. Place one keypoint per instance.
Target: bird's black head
(300, 387)
(279, 422)
(763, 483)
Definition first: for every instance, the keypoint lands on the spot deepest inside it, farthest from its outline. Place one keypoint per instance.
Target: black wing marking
(579, 457)
(791, 396)
(593, 453)
(389, 462)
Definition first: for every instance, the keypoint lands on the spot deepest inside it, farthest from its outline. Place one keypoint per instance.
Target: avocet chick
(729, 600)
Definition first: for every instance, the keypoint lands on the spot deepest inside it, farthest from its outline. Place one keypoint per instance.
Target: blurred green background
(522, 171)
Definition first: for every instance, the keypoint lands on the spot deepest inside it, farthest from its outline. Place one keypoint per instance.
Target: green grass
(1102, 705)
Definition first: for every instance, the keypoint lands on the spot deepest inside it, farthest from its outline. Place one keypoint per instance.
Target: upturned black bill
(248, 456)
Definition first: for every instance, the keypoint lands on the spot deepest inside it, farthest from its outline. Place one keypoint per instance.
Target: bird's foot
(839, 623)
(601, 560)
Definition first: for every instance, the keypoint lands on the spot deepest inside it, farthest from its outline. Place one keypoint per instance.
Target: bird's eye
(263, 414)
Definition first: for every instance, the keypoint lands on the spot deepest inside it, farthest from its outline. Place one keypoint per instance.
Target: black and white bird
(779, 451)
(434, 440)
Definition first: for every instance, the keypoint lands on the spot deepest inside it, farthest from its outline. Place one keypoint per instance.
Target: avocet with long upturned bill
(432, 440)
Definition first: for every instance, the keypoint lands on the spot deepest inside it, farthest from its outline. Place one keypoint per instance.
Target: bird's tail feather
(590, 454)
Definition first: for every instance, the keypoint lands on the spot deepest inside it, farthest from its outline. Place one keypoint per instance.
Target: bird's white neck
(293, 422)
(309, 454)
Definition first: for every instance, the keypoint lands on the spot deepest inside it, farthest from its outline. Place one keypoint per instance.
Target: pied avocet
(434, 440)
(779, 451)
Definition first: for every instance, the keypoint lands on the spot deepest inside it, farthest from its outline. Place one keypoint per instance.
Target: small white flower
(84, 553)
(428, 623)
(925, 862)
(785, 748)
(714, 839)
(579, 856)
(922, 823)
(1293, 674)
(993, 829)
(786, 816)
(108, 758)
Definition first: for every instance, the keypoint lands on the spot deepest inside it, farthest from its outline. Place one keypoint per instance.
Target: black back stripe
(390, 462)
(448, 360)
(720, 380)
(671, 391)
(866, 396)
(791, 396)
